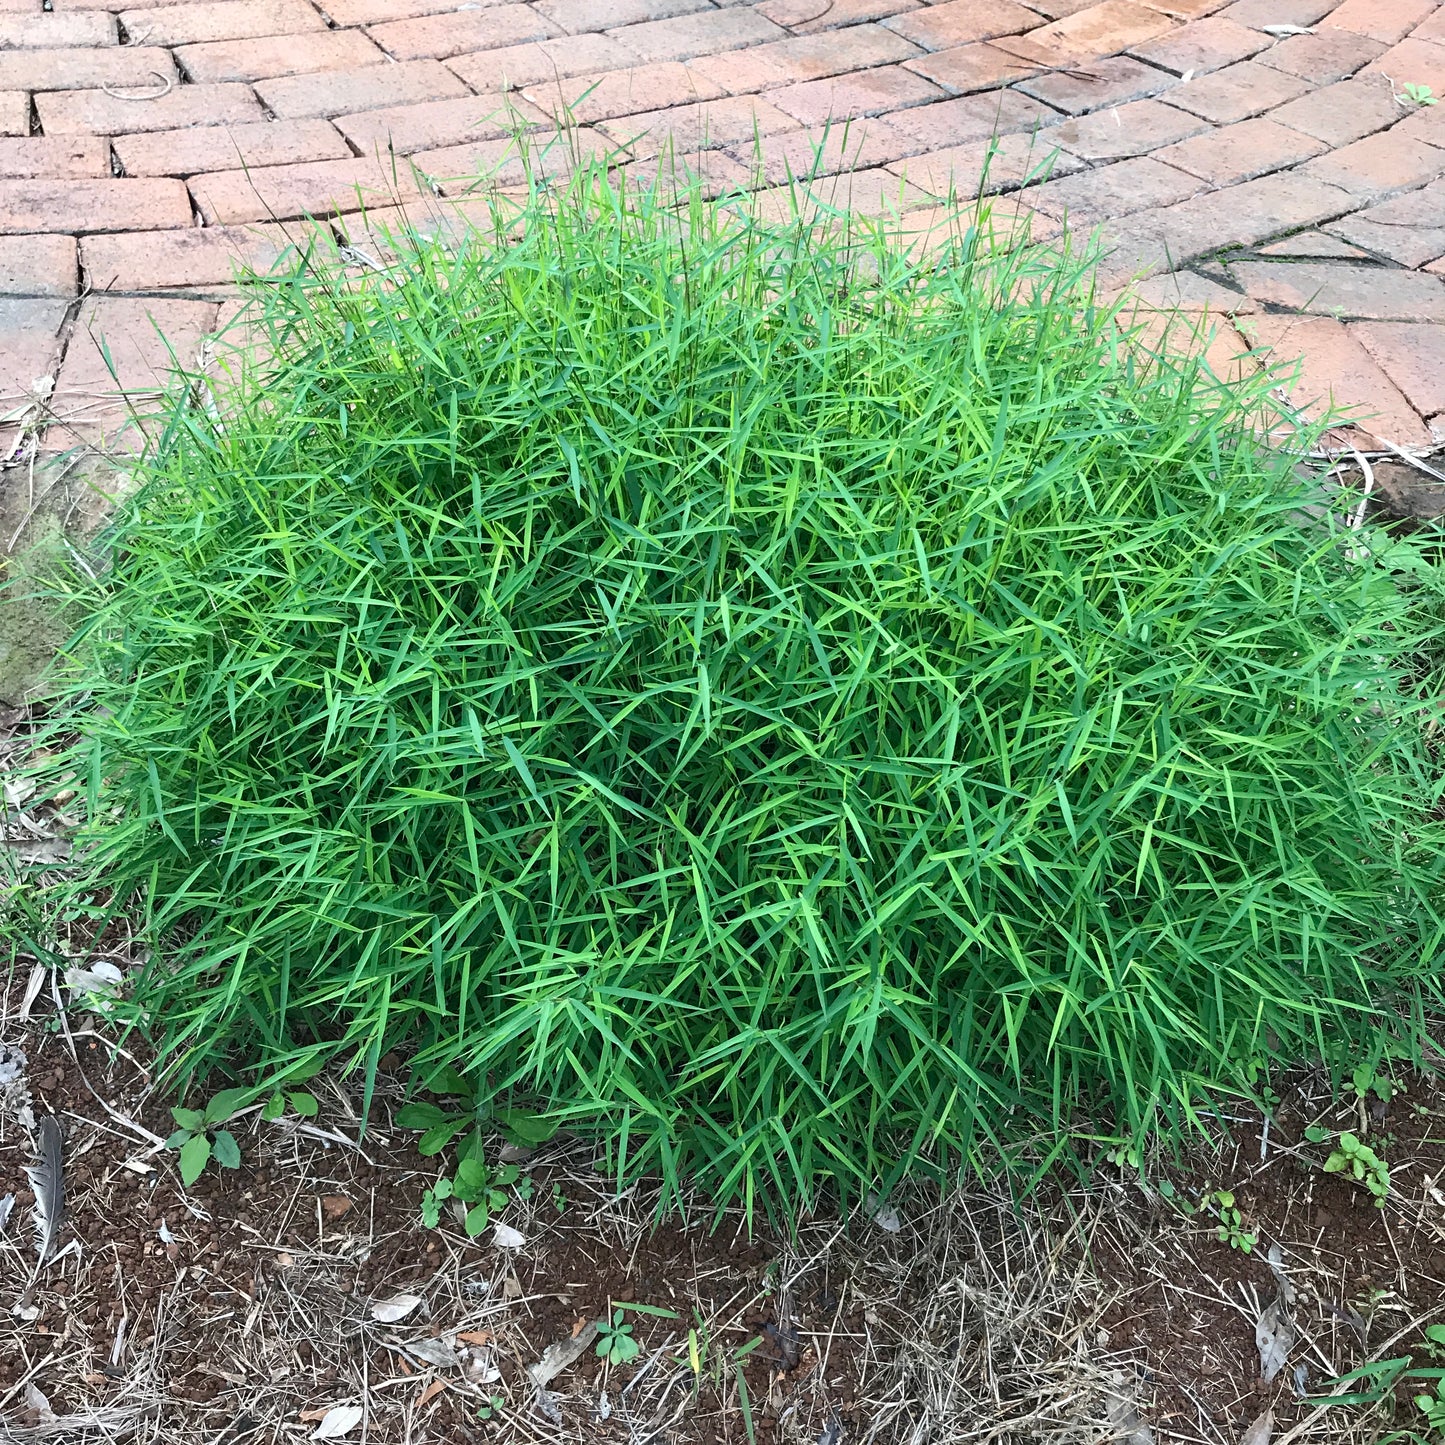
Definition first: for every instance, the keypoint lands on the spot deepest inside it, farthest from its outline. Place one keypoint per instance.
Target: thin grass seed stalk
(793, 728)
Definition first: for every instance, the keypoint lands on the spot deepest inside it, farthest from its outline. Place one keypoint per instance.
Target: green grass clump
(792, 712)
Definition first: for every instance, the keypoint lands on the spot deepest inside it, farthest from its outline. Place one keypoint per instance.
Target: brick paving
(1267, 160)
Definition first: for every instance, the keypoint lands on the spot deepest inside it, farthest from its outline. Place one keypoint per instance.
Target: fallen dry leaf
(484, 1337)
(1261, 1431)
(431, 1392)
(337, 1421)
(333, 1206)
(398, 1307)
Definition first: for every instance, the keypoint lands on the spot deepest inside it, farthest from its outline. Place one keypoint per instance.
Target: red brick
(1237, 92)
(1412, 356)
(1314, 246)
(860, 193)
(220, 147)
(459, 170)
(439, 36)
(373, 12)
(959, 170)
(1422, 122)
(93, 112)
(54, 157)
(277, 55)
(1417, 62)
(37, 266)
(1387, 20)
(970, 117)
(732, 121)
(29, 349)
(519, 65)
(846, 97)
(108, 205)
(1202, 46)
(208, 257)
(1128, 130)
(805, 57)
(119, 66)
(1117, 190)
(144, 342)
(1185, 9)
(1409, 229)
(14, 112)
(807, 17)
(1344, 112)
(369, 88)
(710, 32)
(1189, 291)
(581, 16)
(1241, 152)
(1369, 293)
(1102, 29)
(1111, 81)
(31, 32)
(1380, 166)
(972, 68)
(1431, 29)
(711, 174)
(436, 123)
(825, 150)
(1323, 57)
(1259, 13)
(961, 22)
(185, 24)
(316, 188)
(1336, 371)
(1058, 9)
(587, 98)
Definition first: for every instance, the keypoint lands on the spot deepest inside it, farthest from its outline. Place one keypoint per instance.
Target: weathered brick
(94, 112)
(581, 16)
(55, 157)
(587, 98)
(1016, 160)
(970, 117)
(14, 112)
(102, 205)
(1336, 371)
(807, 17)
(1237, 92)
(711, 173)
(1185, 9)
(219, 147)
(192, 24)
(1202, 46)
(1129, 130)
(432, 124)
(515, 66)
(1111, 81)
(824, 150)
(1344, 112)
(1379, 166)
(1259, 13)
(877, 192)
(972, 68)
(368, 88)
(32, 32)
(139, 67)
(1419, 62)
(1409, 229)
(278, 55)
(1412, 356)
(1189, 291)
(374, 12)
(805, 57)
(1117, 190)
(315, 188)
(1387, 20)
(201, 257)
(961, 22)
(708, 32)
(37, 265)
(846, 97)
(29, 349)
(1423, 122)
(1241, 152)
(1370, 293)
(121, 358)
(733, 120)
(1058, 9)
(484, 165)
(1314, 246)
(1323, 57)
(1103, 29)
(438, 36)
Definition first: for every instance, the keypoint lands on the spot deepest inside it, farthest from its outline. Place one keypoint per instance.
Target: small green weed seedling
(1419, 94)
(1353, 1157)
(492, 1407)
(615, 1341)
(200, 1138)
(1367, 1080)
(303, 1105)
(473, 1184)
(559, 1199)
(1231, 1229)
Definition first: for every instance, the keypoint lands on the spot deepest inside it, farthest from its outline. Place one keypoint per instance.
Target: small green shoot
(1354, 1158)
(1231, 1229)
(303, 1105)
(200, 1139)
(492, 1407)
(615, 1342)
(559, 1199)
(1419, 94)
